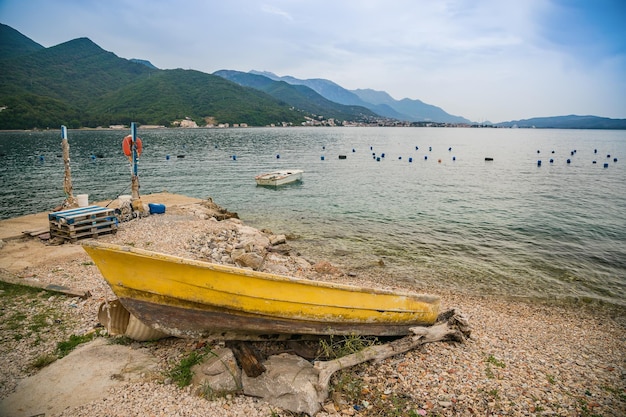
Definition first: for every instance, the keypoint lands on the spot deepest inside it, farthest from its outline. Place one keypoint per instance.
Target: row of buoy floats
(380, 157)
(572, 153)
(376, 157)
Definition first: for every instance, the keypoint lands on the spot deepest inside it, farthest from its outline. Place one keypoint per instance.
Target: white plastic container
(83, 200)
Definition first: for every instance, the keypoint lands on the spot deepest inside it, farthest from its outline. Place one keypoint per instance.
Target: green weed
(181, 374)
(334, 348)
(496, 362)
(43, 361)
(64, 348)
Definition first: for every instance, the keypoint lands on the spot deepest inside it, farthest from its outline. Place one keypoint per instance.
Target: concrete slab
(85, 375)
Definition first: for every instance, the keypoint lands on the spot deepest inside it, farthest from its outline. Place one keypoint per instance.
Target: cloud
(276, 11)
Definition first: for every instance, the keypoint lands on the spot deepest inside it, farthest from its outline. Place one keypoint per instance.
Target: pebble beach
(523, 358)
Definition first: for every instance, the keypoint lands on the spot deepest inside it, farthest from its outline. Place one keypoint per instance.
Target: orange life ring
(126, 145)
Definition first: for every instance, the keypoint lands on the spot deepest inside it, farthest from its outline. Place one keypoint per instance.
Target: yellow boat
(189, 298)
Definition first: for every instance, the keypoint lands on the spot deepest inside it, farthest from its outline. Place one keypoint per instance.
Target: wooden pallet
(82, 222)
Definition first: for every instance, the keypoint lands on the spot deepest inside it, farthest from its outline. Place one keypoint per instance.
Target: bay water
(421, 204)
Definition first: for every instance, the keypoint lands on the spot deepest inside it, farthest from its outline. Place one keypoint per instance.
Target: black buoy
(551, 160)
(277, 156)
(454, 158)
(594, 162)
(569, 161)
(614, 159)
(425, 157)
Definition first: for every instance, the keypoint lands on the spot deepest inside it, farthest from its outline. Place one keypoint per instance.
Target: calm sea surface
(432, 209)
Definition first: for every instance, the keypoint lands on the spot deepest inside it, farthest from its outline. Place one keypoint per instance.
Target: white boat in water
(279, 177)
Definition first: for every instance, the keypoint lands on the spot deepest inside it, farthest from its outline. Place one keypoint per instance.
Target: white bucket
(83, 200)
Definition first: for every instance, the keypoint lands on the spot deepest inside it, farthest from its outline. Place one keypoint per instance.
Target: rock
(288, 382)
(302, 263)
(276, 269)
(219, 372)
(283, 249)
(324, 267)
(250, 260)
(236, 253)
(277, 240)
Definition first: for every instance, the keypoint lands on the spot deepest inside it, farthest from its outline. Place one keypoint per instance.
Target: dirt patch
(20, 251)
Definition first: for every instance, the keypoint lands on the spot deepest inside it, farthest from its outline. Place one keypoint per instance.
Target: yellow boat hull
(189, 298)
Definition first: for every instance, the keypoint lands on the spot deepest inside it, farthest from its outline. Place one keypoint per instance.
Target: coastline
(523, 358)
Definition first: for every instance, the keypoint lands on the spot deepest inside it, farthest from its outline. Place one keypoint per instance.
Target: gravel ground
(523, 359)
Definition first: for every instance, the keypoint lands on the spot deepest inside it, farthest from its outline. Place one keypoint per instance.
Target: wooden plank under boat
(190, 298)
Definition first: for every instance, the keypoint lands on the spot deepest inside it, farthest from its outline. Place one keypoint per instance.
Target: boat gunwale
(427, 298)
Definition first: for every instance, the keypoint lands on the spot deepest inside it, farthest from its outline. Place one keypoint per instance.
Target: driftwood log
(247, 357)
(450, 326)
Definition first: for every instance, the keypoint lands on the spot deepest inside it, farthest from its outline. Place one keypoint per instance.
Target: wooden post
(134, 176)
(70, 200)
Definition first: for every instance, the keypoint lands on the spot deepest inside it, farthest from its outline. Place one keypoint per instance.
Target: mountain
(415, 110)
(168, 95)
(13, 43)
(377, 101)
(79, 84)
(144, 62)
(567, 122)
(74, 71)
(299, 96)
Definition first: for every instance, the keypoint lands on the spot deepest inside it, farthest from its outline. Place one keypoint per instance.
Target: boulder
(289, 382)
(219, 372)
(249, 259)
(277, 240)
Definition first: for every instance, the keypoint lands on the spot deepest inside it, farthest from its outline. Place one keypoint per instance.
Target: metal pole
(133, 130)
(134, 177)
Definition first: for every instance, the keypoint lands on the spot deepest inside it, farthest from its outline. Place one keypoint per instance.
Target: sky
(485, 60)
